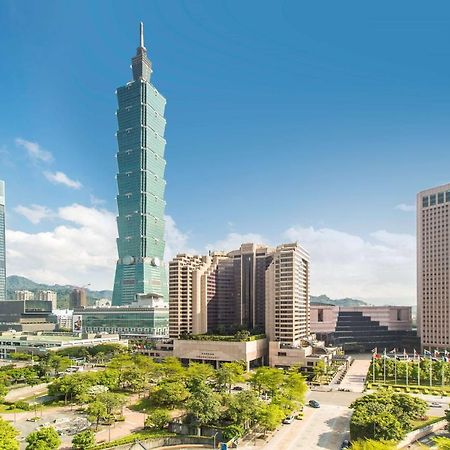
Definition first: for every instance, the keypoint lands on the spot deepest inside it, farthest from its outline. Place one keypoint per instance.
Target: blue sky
(286, 120)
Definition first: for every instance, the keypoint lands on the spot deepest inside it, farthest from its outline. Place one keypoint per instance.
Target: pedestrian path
(356, 375)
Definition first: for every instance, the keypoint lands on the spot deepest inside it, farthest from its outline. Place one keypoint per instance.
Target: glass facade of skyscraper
(141, 185)
(2, 243)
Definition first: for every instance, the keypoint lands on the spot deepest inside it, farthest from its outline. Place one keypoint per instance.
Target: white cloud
(234, 240)
(79, 252)
(406, 208)
(380, 269)
(34, 150)
(34, 213)
(176, 240)
(62, 178)
(95, 201)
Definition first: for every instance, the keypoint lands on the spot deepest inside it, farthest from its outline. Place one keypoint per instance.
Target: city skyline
(343, 129)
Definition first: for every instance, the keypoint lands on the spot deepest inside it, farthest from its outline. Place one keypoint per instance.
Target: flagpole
(373, 364)
(418, 371)
(431, 371)
(395, 365)
(407, 364)
(384, 368)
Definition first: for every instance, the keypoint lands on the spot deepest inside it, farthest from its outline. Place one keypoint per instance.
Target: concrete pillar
(247, 366)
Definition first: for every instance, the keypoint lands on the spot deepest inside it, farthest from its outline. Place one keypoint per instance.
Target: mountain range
(18, 283)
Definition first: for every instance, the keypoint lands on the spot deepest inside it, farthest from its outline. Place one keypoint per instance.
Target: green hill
(325, 300)
(17, 283)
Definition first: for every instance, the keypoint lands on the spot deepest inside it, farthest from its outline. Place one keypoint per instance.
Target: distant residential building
(2, 243)
(362, 328)
(433, 275)
(103, 303)
(49, 296)
(141, 185)
(24, 295)
(64, 318)
(144, 318)
(78, 298)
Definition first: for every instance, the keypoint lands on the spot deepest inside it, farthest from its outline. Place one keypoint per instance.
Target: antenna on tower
(142, 34)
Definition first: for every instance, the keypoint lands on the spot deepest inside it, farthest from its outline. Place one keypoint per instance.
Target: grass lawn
(411, 388)
(142, 404)
(422, 423)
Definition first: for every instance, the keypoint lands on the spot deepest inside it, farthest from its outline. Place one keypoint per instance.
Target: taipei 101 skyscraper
(140, 182)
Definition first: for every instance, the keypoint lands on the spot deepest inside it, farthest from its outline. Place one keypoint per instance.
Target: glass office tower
(141, 184)
(2, 243)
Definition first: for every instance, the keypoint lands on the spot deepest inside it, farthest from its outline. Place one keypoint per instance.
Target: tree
(229, 374)
(244, 407)
(295, 387)
(267, 379)
(8, 435)
(113, 402)
(83, 440)
(270, 416)
(205, 405)
(170, 394)
(320, 368)
(200, 372)
(384, 415)
(97, 410)
(44, 438)
(157, 419)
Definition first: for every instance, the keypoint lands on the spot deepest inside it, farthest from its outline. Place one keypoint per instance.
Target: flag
(375, 353)
(415, 354)
(426, 353)
(436, 354)
(405, 355)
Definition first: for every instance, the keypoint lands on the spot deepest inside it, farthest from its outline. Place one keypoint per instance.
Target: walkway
(356, 375)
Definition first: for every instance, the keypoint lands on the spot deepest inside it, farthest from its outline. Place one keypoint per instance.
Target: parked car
(314, 404)
(345, 444)
(238, 388)
(289, 419)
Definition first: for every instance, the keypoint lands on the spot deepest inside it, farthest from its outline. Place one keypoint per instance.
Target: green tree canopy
(228, 374)
(84, 440)
(169, 394)
(157, 419)
(44, 438)
(8, 436)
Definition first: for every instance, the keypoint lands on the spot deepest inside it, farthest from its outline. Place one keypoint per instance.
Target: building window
(441, 197)
(424, 202)
(432, 199)
(282, 354)
(320, 315)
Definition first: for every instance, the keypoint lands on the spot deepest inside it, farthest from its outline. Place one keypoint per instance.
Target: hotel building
(433, 258)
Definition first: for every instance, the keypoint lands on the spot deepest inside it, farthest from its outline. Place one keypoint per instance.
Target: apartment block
(48, 296)
(24, 295)
(433, 257)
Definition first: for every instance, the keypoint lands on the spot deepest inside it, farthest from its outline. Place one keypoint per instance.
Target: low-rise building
(147, 317)
(26, 315)
(41, 343)
(64, 318)
(362, 328)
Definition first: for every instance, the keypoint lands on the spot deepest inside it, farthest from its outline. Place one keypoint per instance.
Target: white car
(434, 405)
(288, 420)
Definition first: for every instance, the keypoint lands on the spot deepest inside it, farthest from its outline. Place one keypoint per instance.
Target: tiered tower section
(140, 181)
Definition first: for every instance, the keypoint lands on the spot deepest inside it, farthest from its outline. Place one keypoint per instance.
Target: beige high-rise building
(24, 295)
(287, 295)
(78, 298)
(200, 293)
(49, 296)
(433, 258)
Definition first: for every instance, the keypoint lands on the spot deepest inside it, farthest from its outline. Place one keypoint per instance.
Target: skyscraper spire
(142, 67)
(142, 35)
